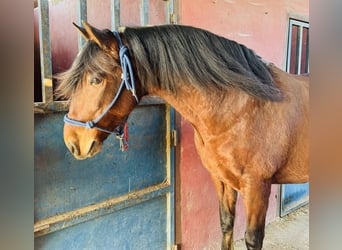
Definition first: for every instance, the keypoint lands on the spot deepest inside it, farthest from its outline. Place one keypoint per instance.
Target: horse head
(101, 91)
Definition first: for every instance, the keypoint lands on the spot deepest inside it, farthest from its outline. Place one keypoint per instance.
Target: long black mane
(168, 55)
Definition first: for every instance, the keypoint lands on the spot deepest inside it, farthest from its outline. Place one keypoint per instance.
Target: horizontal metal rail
(92, 211)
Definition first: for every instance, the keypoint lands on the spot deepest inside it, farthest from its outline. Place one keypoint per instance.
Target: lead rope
(123, 138)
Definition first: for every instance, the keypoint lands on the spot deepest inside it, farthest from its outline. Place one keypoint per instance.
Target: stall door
(116, 200)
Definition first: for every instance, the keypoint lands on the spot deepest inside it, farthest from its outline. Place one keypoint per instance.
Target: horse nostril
(92, 147)
(73, 148)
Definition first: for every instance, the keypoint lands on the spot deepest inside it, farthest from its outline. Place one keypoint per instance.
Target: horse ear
(82, 31)
(98, 36)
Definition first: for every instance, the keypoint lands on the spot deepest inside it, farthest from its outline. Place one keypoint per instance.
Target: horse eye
(95, 80)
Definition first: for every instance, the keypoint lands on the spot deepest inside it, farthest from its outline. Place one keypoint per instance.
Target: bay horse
(250, 118)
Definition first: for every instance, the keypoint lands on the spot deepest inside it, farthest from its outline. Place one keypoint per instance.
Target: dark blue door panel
(137, 227)
(73, 198)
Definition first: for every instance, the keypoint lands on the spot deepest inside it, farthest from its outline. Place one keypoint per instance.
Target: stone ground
(288, 233)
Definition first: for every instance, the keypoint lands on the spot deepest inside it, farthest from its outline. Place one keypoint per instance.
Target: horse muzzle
(89, 150)
(83, 145)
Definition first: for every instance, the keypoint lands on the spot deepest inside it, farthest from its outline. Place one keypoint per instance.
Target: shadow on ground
(288, 233)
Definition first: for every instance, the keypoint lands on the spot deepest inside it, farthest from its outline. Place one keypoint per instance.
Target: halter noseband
(127, 81)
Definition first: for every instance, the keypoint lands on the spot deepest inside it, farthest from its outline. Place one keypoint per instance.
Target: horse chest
(222, 165)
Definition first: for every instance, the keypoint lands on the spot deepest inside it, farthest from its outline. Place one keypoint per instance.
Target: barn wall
(262, 26)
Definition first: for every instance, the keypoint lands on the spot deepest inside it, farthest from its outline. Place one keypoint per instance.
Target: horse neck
(208, 112)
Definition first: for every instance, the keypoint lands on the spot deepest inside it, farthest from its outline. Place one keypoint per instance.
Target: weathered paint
(128, 195)
(199, 204)
(261, 25)
(115, 200)
(139, 227)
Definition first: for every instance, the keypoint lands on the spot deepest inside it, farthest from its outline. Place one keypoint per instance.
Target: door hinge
(174, 138)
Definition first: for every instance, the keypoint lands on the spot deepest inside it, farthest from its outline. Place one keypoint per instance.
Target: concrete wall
(262, 26)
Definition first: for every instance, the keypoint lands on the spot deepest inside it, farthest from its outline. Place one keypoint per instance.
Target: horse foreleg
(227, 216)
(255, 196)
(227, 200)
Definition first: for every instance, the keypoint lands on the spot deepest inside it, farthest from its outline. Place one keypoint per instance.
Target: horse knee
(254, 239)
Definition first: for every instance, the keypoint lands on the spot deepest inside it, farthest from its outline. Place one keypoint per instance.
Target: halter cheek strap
(127, 77)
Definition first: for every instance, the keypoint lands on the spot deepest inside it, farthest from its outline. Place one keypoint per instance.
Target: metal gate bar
(45, 48)
(82, 16)
(115, 10)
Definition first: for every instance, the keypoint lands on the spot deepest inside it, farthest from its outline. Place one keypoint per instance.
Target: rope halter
(121, 131)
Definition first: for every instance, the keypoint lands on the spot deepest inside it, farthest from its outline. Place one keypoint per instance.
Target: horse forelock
(91, 60)
(168, 55)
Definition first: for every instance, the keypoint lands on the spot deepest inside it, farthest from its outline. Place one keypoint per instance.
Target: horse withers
(250, 118)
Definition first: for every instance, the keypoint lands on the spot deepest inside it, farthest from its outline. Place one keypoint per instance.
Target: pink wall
(261, 26)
